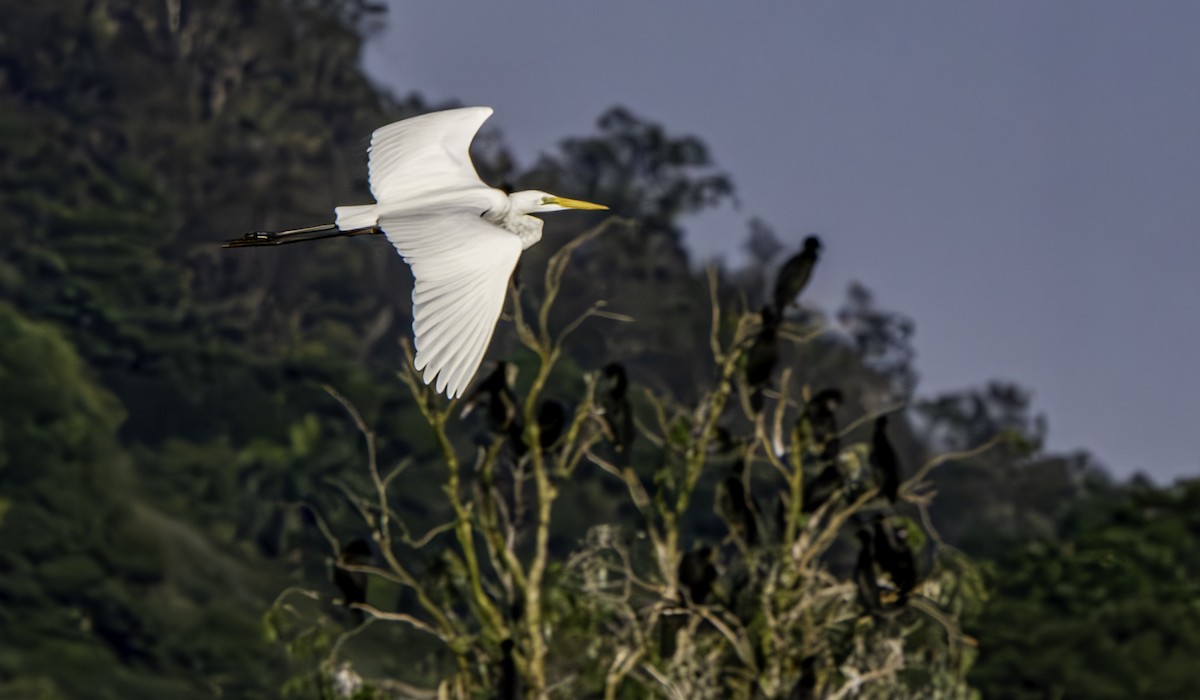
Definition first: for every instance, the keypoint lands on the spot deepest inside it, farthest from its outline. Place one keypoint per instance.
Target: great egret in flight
(460, 237)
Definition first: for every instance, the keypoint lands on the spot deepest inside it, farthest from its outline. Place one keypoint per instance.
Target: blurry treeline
(167, 447)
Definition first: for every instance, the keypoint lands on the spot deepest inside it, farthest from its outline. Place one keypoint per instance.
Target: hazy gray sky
(1021, 178)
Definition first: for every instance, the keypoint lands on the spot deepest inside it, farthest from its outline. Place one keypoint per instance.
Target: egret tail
(296, 235)
(356, 216)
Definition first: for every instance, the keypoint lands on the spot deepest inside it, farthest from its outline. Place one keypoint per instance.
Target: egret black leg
(296, 235)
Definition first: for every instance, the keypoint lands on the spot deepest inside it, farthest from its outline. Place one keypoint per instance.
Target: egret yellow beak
(574, 203)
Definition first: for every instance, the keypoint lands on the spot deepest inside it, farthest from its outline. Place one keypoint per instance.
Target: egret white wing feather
(424, 154)
(462, 265)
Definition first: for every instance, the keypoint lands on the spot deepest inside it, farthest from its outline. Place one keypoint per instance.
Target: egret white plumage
(461, 237)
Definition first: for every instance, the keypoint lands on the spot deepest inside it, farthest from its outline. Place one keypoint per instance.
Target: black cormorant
(884, 462)
(698, 573)
(762, 357)
(616, 413)
(795, 273)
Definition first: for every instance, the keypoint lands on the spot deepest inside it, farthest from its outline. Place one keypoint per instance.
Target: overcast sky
(1021, 178)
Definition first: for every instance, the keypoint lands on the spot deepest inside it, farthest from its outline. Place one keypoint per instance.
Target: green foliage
(50, 412)
(1107, 612)
(94, 578)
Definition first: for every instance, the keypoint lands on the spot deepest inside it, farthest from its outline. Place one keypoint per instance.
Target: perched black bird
(818, 425)
(353, 584)
(669, 625)
(737, 507)
(806, 686)
(894, 556)
(884, 462)
(864, 574)
(820, 488)
(723, 442)
(821, 414)
(762, 357)
(495, 394)
(552, 422)
(508, 685)
(615, 411)
(698, 573)
(795, 273)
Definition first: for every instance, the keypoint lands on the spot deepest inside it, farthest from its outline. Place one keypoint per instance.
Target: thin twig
(912, 482)
(397, 617)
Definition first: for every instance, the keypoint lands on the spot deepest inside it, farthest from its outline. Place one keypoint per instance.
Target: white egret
(461, 238)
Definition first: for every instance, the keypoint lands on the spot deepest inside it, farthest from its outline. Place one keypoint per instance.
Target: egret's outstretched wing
(462, 265)
(425, 153)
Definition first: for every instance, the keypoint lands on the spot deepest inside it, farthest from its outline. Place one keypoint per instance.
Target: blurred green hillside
(167, 446)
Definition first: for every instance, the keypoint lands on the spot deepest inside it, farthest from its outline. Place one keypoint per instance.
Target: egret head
(537, 202)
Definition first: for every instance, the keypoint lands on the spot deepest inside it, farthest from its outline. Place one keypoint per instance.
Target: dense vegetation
(178, 475)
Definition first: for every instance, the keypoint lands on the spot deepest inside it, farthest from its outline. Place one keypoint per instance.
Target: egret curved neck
(512, 219)
(527, 228)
